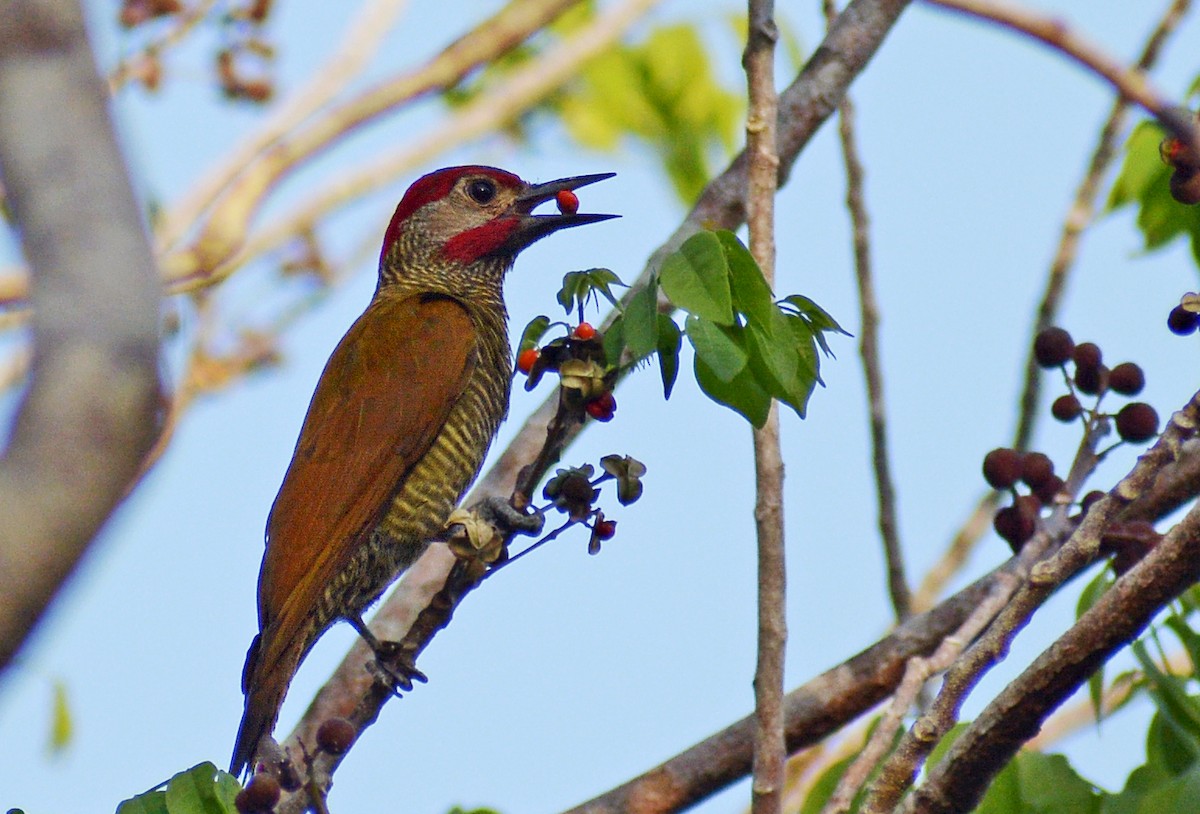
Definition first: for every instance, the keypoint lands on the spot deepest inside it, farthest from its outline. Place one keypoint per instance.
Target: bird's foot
(395, 662)
(510, 520)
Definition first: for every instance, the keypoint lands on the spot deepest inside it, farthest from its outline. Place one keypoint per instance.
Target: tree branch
(762, 179)
(90, 412)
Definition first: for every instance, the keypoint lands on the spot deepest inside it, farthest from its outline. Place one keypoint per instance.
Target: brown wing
(385, 392)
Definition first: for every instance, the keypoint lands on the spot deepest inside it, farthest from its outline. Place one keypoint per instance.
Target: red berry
(526, 359)
(605, 529)
(336, 736)
(1126, 379)
(602, 407)
(1090, 500)
(568, 202)
(1036, 468)
(260, 795)
(1002, 468)
(585, 331)
(1052, 347)
(1181, 321)
(1185, 185)
(1066, 408)
(1137, 422)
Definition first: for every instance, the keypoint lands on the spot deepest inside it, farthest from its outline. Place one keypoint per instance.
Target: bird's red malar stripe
(469, 246)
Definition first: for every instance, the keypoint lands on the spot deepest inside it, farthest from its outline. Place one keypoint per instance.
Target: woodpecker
(400, 422)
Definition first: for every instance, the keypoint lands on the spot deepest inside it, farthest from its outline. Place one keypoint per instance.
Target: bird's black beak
(535, 227)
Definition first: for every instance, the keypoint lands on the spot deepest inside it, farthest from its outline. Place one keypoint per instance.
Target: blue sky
(568, 674)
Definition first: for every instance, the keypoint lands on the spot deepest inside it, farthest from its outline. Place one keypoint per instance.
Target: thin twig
(885, 492)
(916, 673)
(762, 180)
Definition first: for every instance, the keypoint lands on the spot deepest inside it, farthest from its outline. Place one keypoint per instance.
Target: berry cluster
(579, 360)
(1006, 468)
(260, 796)
(1135, 422)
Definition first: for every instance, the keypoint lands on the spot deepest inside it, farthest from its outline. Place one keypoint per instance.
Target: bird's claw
(501, 514)
(394, 668)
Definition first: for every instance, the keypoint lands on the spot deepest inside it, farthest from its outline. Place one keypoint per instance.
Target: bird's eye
(481, 190)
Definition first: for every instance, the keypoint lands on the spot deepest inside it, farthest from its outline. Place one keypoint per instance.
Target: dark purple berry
(1002, 468)
(260, 795)
(1036, 468)
(1066, 408)
(1014, 526)
(1182, 321)
(1048, 490)
(1126, 379)
(1137, 422)
(1091, 380)
(1087, 354)
(335, 736)
(1052, 347)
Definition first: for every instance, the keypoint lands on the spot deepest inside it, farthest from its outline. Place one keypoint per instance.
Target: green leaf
(1003, 795)
(1168, 747)
(817, 318)
(579, 287)
(1170, 696)
(152, 802)
(202, 789)
(741, 394)
(1048, 783)
(1187, 637)
(751, 294)
(669, 342)
(641, 322)
(534, 332)
(696, 278)
(61, 726)
(1176, 796)
(822, 789)
(1087, 597)
(1144, 180)
(614, 341)
(718, 347)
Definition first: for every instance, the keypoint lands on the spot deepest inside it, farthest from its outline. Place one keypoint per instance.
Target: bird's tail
(264, 688)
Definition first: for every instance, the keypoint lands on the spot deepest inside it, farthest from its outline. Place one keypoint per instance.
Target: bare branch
(762, 179)
(90, 412)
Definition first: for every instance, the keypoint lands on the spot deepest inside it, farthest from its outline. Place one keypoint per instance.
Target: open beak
(535, 227)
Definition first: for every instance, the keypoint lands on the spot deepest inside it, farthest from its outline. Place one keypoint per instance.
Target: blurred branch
(1079, 217)
(808, 102)
(762, 180)
(224, 230)
(89, 414)
(856, 204)
(1131, 84)
(360, 42)
(497, 106)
